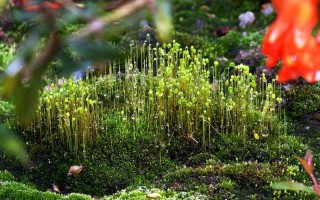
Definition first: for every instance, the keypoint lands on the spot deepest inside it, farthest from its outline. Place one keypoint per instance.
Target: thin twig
(112, 17)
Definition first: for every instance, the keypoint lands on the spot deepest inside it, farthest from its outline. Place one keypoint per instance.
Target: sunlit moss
(163, 92)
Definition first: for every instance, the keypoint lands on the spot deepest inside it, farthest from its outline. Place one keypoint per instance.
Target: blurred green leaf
(12, 145)
(68, 62)
(3, 4)
(9, 84)
(24, 95)
(95, 50)
(291, 186)
(162, 19)
(26, 98)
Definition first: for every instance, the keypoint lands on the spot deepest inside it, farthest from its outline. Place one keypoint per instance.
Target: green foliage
(161, 102)
(12, 145)
(212, 14)
(229, 45)
(69, 115)
(225, 47)
(243, 105)
(7, 53)
(115, 163)
(6, 109)
(76, 196)
(200, 159)
(292, 186)
(6, 176)
(7, 114)
(250, 40)
(159, 105)
(31, 63)
(235, 180)
(178, 104)
(232, 149)
(143, 192)
(302, 100)
(243, 180)
(13, 190)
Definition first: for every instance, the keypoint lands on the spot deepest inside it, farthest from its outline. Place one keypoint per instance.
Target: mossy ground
(228, 168)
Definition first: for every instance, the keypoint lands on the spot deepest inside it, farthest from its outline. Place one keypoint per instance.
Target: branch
(52, 48)
(101, 22)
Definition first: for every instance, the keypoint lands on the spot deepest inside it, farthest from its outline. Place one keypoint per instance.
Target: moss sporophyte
(166, 92)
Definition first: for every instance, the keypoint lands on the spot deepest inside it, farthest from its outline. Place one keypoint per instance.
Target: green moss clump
(14, 190)
(279, 148)
(243, 180)
(200, 159)
(7, 114)
(76, 196)
(228, 45)
(302, 100)
(20, 191)
(6, 176)
(6, 55)
(110, 168)
(141, 193)
(212, 15)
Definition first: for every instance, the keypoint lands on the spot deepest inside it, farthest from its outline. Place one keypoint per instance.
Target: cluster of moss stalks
(165, 92)
(147, 115)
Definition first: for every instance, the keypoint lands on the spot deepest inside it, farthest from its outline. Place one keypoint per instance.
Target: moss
(129, 163)
(186, 13)
(7, 114)
(274, 148)
(302, 100)
(76, 196)
(226, 184)
(6, 176)
(200, 159)
(13, 190)
(20, 191)
(226, 46)
(7, 53)
(242, 175)
(110, 168)
(230, 44)
(141, 193)
(236, 180)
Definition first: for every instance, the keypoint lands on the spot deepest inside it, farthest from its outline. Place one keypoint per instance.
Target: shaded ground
(308, 128)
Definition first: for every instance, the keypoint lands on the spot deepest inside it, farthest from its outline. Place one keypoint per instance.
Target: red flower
(289, 39)
(45, 4)
(36, 7)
